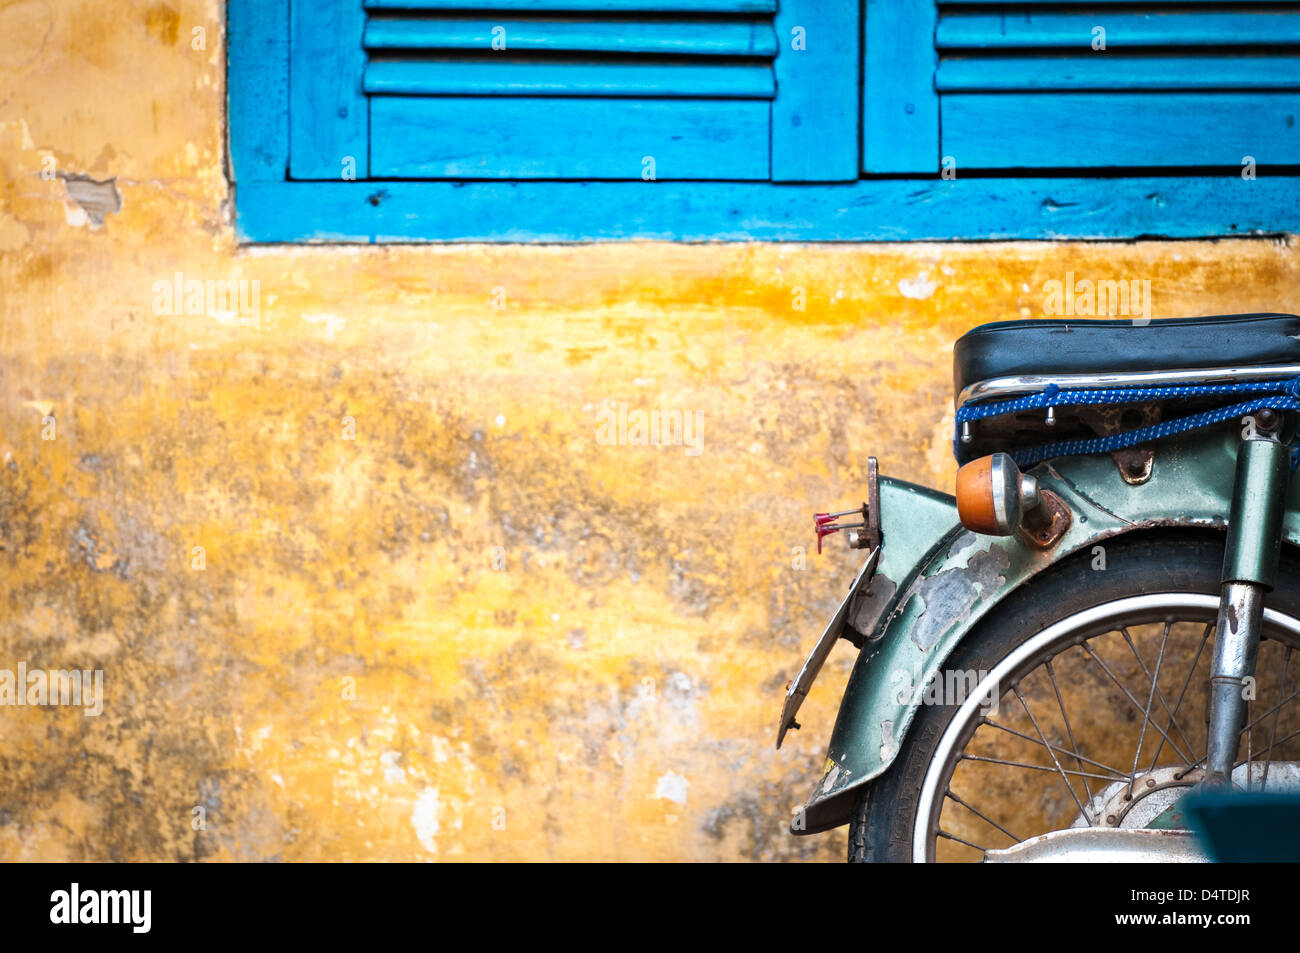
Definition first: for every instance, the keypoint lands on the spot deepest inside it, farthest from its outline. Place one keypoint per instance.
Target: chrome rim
(1148, 652)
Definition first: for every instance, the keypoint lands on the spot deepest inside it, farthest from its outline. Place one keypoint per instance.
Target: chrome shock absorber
(1249, 567)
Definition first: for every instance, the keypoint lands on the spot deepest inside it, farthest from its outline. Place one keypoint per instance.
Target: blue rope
(1167, 428)
(1285, 396)
(1053, 396)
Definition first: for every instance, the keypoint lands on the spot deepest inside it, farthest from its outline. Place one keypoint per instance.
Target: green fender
(936, 580)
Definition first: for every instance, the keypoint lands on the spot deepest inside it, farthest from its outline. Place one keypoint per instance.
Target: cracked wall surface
(362, 580)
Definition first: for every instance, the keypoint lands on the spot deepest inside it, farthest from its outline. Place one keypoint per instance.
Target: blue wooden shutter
(1021, 86)
(574, 89)
(1178, 85)
(900, 108)
(329, 114)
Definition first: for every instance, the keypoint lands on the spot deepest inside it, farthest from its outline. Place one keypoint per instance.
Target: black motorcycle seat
(1052, 347)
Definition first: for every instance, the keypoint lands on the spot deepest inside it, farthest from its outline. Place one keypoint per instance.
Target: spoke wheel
(1150, 656)
(1100, 681)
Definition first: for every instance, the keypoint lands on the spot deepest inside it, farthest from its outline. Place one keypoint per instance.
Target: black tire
(884, 816)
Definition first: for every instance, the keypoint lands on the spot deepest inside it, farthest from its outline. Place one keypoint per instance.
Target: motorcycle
(1098, 626)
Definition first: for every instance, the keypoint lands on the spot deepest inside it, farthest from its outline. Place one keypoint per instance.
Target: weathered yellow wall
(612, 692)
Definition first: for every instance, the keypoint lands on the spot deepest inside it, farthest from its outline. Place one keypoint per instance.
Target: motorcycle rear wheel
(1085, 642)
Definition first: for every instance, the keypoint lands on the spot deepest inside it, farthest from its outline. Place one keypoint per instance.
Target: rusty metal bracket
(870, 537)
(864, 535)
(1047, 522)
(1134, 463)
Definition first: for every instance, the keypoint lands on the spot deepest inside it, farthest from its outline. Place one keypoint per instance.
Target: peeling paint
(91, 200)
(947, 596)
(919, 288)
(960, 544)
(672, 787)
(887, 744)
(424, 818)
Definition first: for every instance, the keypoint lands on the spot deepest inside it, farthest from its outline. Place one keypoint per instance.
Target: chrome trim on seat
(1001, 388)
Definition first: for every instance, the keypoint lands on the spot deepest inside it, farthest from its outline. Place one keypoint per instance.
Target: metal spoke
(1101, 723)
(943, 833)
(1273, 709)
(1205, 638)
(1118, 775)
(976, 811)
(1069, 732)
(1293, 734)
(1173, 722)
(1197, 762)
(1036, 767)
(1277, 712)
(1133, 701)
(1151, 698)
(1052, 754)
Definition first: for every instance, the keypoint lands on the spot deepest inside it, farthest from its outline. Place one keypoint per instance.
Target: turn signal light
(993, 496)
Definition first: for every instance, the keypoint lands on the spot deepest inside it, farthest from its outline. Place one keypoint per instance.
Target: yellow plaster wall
(474, 631)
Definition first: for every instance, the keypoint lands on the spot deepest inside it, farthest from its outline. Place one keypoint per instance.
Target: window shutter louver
(1176, 84)
(1055, 85)
(575, 89)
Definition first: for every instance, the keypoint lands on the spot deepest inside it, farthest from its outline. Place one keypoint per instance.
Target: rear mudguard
(936, 580)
